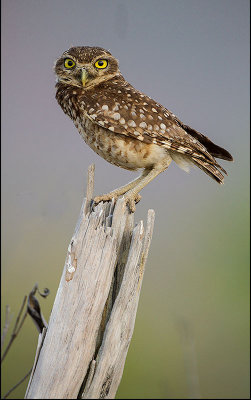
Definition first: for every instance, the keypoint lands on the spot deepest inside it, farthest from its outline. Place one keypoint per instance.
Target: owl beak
(84, 76)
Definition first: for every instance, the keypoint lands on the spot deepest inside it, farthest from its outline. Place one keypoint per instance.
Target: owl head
(86, 66)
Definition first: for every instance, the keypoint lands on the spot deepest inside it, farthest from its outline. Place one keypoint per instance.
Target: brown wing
(212, 148)
(117, 106)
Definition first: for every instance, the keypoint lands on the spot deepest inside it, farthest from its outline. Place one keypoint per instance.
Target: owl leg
(132, 189)
(131, 197)
(122, 190)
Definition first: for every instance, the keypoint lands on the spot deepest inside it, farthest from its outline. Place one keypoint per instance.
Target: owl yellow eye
(101, 64)
(69, 63)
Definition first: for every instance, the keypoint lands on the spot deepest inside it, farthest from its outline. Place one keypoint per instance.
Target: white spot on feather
(131, 123)
(116, 116)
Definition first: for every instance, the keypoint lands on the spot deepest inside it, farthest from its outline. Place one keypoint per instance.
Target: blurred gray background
(192, 330)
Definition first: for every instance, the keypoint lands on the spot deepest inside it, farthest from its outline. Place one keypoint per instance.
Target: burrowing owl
(126, 127)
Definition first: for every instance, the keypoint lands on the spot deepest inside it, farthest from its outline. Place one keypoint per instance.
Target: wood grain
(93, 316)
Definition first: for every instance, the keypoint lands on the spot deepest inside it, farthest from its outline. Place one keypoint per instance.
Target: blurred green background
(191, 335)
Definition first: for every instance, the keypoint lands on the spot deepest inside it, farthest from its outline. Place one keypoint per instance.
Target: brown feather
(122, 124)
(212, 148)
(210, 170)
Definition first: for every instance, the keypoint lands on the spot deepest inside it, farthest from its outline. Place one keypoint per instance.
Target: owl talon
(137, 198)
(131, 201)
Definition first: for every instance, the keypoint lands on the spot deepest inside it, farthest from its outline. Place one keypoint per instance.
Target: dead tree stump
(83, 352)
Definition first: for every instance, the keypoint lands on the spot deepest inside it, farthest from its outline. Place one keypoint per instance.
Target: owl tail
(210, 170)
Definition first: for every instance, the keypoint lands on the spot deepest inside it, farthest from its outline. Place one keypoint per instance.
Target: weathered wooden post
(83, 352)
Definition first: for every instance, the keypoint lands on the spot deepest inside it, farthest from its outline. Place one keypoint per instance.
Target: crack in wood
(93, 316)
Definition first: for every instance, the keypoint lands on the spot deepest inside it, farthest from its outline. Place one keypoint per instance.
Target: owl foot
(131, 199)
(105, 197)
